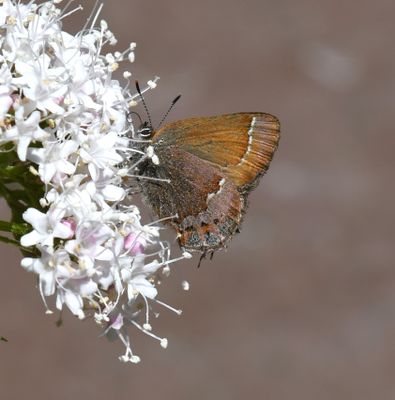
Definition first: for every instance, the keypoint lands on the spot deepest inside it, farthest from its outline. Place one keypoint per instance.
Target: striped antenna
(167, 112)
(145, 105)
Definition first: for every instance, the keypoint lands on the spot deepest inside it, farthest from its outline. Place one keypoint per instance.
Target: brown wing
(203, 205)
(241, 145)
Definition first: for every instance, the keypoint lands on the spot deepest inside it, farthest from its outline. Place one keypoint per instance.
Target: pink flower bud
(116, 321)
(58, 100)
(71, 224)
(134, 243)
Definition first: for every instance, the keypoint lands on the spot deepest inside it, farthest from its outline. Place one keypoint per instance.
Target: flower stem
(14, 228)
(21, 190)
(9, 241)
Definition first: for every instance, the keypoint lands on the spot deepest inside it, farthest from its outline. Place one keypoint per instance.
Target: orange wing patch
(241, 145)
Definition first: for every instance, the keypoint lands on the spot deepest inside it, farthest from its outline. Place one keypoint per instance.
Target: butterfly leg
(203, 255)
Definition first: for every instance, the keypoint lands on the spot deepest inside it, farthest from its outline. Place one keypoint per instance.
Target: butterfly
(205, 171)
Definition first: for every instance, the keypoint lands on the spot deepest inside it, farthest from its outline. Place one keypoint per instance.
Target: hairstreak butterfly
(207, 168)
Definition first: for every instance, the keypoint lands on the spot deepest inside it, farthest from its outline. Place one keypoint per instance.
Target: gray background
(302, 305)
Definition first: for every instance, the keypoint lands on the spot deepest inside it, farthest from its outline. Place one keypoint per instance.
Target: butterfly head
(145, 131)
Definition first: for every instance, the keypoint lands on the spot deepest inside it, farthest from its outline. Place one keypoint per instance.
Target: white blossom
(64, 113)
(25, 130)
(46, 227)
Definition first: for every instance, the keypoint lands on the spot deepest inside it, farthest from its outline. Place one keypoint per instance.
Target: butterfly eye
(145, 131)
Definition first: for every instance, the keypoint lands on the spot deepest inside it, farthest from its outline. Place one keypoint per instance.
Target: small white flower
(105, 186)
(100, 149)
(42, 84)
(53, 159)
(10, 12)
(46, 227)
(138, 282)
(73, 301)
(88, 245)
(25, 131)
(47, 267)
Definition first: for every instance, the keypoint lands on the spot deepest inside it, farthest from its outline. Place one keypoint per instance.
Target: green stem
(9, 241)
(14, 228)
(25, 250)
(21, 190)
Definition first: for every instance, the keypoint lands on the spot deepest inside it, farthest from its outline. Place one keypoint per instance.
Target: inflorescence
(64, 119)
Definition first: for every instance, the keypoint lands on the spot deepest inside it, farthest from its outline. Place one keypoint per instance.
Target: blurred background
(302, 304)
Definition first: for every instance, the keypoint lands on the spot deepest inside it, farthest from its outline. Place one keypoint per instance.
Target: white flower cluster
(67, 116)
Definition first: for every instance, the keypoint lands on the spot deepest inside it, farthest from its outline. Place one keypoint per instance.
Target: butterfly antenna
(167, 112)
(144, 104)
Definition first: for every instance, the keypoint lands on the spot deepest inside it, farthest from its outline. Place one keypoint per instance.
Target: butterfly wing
(197, 200)
(241, 145)
(211, 164)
